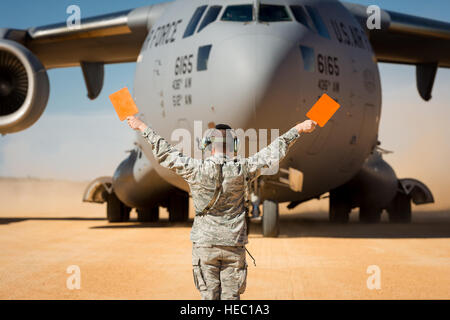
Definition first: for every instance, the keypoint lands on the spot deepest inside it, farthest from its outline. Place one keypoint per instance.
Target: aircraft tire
(115, 211)
(340, 208)
(126, 213)
(247, 222)
(149, 214)
(270, 219)
(178, 206)
(399, 210)
(370, 214)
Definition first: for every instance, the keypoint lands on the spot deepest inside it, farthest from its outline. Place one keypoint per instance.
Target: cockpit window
(301, 16)
(194, 21)
(210, 16)
(240, 13)
(318, 22)
(272, 13)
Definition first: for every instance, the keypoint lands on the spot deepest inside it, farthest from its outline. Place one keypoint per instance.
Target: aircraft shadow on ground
(434, 224)
(427, 225)
(163, 223)
(312, 224)
(8, 220)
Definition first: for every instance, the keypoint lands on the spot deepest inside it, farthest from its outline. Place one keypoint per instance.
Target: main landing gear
(177, 204)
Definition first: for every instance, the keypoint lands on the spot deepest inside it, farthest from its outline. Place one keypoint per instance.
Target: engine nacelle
(24, 87)
(137, 184)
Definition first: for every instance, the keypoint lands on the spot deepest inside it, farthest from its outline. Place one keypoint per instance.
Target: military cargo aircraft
(250, 64)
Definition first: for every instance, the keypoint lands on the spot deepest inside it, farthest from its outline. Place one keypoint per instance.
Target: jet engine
(24, 87)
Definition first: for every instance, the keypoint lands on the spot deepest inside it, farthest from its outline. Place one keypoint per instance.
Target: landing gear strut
(270, 219)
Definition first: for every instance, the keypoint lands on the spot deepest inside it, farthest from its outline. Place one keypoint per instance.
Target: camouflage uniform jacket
(224, 223)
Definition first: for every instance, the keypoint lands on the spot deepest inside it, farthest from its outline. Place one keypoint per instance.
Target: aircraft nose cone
(232, 66)
(256, 76)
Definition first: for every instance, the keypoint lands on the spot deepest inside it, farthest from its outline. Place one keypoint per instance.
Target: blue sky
(80, 139)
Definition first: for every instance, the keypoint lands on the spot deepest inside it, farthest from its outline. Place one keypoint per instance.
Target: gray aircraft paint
(256, 79)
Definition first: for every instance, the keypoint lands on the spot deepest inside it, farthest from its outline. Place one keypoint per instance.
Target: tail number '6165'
(183, 64)
(327, 65)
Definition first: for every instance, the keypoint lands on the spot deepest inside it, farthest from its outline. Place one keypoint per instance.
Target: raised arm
(277, 150)
(167, 155)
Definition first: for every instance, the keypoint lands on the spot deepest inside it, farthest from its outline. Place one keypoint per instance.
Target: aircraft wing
(110, 38)
(409, 39)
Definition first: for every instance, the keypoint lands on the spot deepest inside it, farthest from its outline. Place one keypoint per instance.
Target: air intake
(13, 83)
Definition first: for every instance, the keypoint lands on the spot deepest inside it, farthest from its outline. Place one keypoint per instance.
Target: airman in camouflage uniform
(217, 187)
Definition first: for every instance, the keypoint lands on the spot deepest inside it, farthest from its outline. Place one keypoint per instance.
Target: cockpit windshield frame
(244, 18)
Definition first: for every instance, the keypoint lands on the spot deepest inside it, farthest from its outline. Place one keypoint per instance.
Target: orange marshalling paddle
(123, 103)
(323, 110)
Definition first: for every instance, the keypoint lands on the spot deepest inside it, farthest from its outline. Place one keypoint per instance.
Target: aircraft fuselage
(264, 76)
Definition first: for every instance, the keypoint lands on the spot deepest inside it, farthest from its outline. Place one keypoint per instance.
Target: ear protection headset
(209, 139)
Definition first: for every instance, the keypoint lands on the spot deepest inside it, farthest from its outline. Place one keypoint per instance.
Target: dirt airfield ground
(45, 228)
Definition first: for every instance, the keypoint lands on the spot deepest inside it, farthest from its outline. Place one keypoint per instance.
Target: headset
(210, 138)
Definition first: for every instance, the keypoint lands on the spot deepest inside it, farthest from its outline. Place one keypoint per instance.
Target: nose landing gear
(270, 219)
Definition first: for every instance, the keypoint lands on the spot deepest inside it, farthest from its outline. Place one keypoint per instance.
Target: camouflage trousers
(220, 272)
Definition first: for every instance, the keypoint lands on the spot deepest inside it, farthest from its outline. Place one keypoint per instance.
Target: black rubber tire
(149, 214)
(126, 213)
(399, 210)
(114, 208)
(370, 214)
(270, 219)
(178, 206)
(340, 207)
